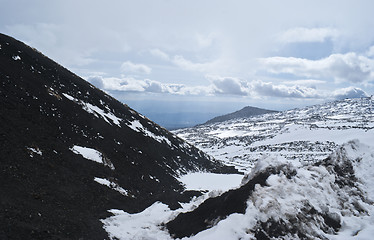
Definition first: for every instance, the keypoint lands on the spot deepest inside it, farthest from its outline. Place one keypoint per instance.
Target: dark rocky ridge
(215, 209)
(49, 192)
(242, 113)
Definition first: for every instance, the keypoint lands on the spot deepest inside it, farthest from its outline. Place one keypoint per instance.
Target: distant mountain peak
(247, 111)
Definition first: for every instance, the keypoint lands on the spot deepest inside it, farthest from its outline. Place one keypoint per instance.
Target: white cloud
(349, 67)
(308, 35)
(349, 92)
(219, 65)
(122, 84)
(305, 82)
(205, 40)
(160, 54)
(135, 68)
(183, 63)
(186, 64)
(269, 89)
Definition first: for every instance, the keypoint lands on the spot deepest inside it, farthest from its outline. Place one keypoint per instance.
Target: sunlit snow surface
(147, 224)
(33, 151)
(306, 135)
(210, 181)
(282, 198)
(112, 185)
(93, 155)
(88, 153)
(108, 116)
(138, 127)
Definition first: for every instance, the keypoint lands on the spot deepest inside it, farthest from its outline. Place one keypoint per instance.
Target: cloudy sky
(214, 56)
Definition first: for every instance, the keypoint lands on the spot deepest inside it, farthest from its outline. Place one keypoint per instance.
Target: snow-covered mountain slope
(69, 152)
(308, 134)
(278, 199)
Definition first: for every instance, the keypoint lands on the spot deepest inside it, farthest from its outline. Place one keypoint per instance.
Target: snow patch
(70, 97)
(146, 224)
(16, 58)
(112, 185)
(210, 181)
(33, 151)
(88, 153)
(138, 127)
(93, 155)
(143, 225)
(135, 125)
(98, 112)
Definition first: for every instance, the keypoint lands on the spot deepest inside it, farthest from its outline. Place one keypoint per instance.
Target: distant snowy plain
(298, 138)
(306, 135)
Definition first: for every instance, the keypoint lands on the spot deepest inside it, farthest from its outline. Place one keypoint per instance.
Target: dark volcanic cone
(48, 189)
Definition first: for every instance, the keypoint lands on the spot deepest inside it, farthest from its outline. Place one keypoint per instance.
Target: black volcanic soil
(53, 195)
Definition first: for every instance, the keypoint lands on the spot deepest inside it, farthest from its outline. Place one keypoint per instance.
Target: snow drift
(331, 199)
(278, 199)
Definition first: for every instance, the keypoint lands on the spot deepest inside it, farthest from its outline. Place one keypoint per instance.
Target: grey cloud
(351, 67)
(225, 86)
(153, 86)
(270, 89)
(130, 84)
(229, 85)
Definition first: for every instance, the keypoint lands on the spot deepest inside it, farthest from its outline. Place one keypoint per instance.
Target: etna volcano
(69, 152)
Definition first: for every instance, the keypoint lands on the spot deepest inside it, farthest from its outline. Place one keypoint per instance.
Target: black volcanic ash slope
(242, 113)
(50, 192)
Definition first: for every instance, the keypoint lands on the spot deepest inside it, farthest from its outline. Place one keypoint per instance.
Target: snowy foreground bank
(331, 199)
